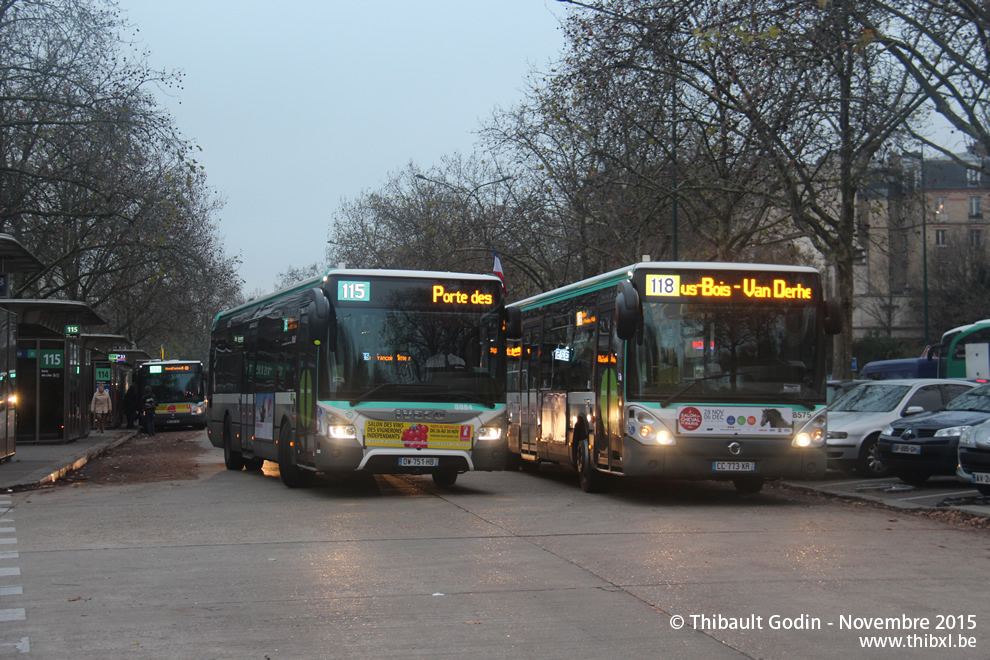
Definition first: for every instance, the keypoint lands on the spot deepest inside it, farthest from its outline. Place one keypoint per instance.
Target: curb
(75, 462)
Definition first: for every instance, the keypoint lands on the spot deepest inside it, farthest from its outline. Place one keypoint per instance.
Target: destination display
(460, 295)
(730, 286)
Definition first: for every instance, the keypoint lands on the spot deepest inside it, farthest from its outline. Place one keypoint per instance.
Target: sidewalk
(34, 464)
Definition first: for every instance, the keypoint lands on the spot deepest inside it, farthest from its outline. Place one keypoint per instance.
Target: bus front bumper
(348, 455)
(711, 458)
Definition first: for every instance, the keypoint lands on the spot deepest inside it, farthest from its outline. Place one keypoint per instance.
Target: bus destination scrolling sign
(728, 286)
(431, 294)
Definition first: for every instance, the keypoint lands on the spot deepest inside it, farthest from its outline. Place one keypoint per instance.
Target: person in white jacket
(100, 406)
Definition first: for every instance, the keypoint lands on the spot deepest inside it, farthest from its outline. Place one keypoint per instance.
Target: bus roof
(612, 278)
(318, 280)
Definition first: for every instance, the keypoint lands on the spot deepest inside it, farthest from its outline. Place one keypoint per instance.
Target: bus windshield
(174, 383)
(725, 352)
(416, 355)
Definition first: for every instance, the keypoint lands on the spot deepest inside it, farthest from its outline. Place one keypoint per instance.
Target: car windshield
(870, 398)
(977, 399)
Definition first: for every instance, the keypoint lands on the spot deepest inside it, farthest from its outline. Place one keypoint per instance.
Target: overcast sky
(301, 104)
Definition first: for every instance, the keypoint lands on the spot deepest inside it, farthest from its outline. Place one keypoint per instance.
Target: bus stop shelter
(14, 258)
(53, 381)
(113, 359)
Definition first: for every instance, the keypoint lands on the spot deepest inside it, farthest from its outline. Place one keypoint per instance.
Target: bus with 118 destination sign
(380, 371)
(675, 370)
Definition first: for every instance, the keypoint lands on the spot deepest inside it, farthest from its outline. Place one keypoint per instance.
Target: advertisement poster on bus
(264, 409)
(417, 436)
(734, 420)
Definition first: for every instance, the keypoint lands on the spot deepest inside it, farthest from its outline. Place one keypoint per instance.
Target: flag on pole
(497, 268)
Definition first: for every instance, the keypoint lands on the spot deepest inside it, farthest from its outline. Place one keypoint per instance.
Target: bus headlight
(648, 430)
(812, 435)
(489, 433)
(341, 431)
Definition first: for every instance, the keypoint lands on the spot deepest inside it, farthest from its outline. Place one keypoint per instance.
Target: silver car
(856, 418)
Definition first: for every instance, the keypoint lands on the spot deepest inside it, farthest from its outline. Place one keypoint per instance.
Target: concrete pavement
(35, 464)
(38, 464)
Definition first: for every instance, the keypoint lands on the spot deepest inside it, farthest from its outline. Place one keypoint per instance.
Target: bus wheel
(748, 485)
(592, 481)
(445, 478)
(292, 475)
(233, 460)
(253, 464)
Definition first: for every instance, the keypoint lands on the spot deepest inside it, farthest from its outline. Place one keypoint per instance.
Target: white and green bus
(675, 370)
(382, 371)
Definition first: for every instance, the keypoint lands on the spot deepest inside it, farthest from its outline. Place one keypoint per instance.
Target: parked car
(837, 388)
(856, 418)
(974, 458)
(919, 446)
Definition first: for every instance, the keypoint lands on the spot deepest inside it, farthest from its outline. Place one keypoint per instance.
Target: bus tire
(592, 481)
(445, 478)
(292, 475)
(748, 485)
(232, 460)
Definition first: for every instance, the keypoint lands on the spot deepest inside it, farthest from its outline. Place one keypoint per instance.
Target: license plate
(171, 421)
(981, 477)
(907, 449)
(733, 466)
(419, 462)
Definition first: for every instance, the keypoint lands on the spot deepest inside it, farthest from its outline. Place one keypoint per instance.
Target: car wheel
(870, 464)
(749, 485)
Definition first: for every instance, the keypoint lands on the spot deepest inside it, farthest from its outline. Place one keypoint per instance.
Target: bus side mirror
(513, 322)
(626, 310)
(318, 315)
(832, 322)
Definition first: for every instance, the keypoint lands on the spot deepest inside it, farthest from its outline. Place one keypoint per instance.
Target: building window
(940, 240)
(941, 210)
(974, 206)
(975, 238)
(973, 177)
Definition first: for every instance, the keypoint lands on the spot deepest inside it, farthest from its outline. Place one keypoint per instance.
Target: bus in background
(179, 389)
(382, 371)
(678, 370)
(964, 352)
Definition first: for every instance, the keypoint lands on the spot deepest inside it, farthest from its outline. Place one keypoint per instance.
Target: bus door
(529, 426)
(306, 389)
(607, 452)
(554, 369)
(245, 398)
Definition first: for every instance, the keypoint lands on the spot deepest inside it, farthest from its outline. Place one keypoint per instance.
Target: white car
(856, 418)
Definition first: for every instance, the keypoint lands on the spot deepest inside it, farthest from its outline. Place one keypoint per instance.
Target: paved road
(234, 565)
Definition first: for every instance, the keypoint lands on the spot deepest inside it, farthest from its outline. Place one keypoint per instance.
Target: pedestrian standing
(132, 405)
(100, 406)
(148, 404)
